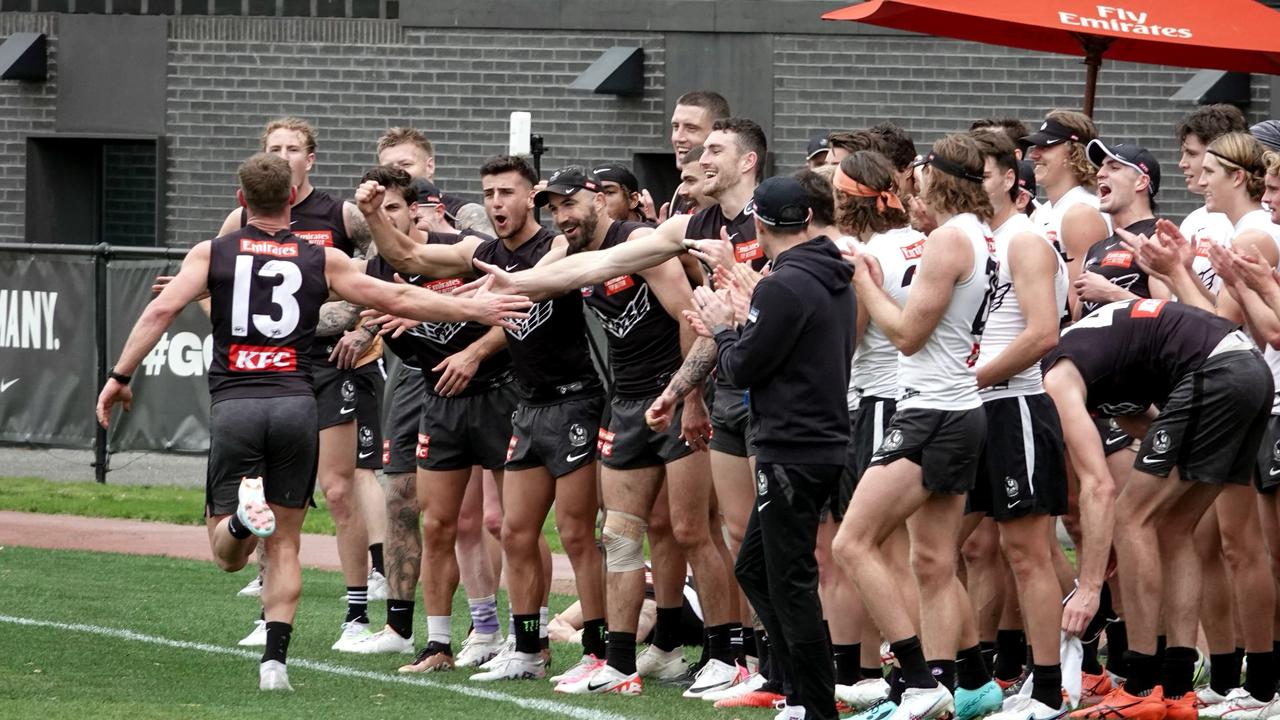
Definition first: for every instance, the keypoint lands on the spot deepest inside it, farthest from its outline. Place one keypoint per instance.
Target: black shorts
(1113, 438)
(399, 449)
(731, 423)
(1213, 422)
(459, 432)
(627, 443)
(1268, 470)
(559, 437)
(1023, 468)
(335, 393)
(370, 382)
(272, 438)
(945, 444)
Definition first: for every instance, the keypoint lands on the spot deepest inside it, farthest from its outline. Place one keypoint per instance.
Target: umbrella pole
(1094, 46)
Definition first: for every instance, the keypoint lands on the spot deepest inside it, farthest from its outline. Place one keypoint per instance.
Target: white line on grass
(546, 706)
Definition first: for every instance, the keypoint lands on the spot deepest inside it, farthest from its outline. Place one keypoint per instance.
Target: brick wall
(129, 193)
(354, 77)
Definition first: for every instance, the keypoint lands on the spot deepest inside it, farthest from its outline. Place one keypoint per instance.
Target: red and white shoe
(606, 680)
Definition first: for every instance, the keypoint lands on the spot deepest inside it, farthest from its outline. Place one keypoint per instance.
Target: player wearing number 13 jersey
(266, 286)
(928, 458)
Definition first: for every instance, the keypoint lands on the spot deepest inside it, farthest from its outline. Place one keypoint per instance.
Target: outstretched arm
(402, 251)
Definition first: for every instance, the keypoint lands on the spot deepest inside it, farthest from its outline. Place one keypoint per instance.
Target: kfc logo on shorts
(604, 443)
(511, 448)
(386, 452)
(251, 358)
(424, 446)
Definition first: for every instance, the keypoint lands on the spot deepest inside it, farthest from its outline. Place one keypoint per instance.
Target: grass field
(180, 505)
(185, 664)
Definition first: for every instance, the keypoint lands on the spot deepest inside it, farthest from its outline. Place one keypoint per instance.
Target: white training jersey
(940, 376)
(875, 362)
(1261, 220)
(1203, 229)
(1048, 217)
(1005, 321)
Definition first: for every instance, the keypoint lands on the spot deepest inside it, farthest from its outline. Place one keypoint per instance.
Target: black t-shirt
(1131, 354)
(549, 350)
(265, 293)
(1112, 261)
(427, 345)
(644, 340)
(706, 225)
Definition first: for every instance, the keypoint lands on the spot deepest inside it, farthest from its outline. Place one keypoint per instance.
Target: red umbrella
(1239, 35)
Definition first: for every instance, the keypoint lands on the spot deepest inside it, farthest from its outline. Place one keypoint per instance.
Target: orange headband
(846, 184)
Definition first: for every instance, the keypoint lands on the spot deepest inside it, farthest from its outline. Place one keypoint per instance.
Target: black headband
(1251, 169)
(951, 168)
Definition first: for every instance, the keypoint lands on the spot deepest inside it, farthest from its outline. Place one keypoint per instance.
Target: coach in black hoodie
(792, 353)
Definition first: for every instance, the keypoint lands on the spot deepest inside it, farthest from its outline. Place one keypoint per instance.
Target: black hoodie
(793, 356)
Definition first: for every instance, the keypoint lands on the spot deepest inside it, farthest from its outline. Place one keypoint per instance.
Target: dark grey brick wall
(129, 193)
(934, 86)
(354, 77)
(25, 108)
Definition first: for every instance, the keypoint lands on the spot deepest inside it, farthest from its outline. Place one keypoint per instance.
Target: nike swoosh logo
(365, 455)
(575, 458)
(763, 505)
(509, 268)
(592, 687)
(1273, 472)
(1115, 440)
(346, 411)
(7, 384)
(1015, 502)
(1151, 459)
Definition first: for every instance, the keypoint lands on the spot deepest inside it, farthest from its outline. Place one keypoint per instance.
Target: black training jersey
(319, 220)
(1131, 354)
(549, 351)
(265, 293)
(428, 344)
(1112, 261)
(706, 225)
(644, 341)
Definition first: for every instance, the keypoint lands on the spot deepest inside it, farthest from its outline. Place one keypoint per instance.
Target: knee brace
(623, 537)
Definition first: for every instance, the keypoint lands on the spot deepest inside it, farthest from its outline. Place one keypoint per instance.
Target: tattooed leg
(403, 547)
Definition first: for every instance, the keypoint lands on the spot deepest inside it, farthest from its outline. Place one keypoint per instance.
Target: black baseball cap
(817, 144)
(1138, 158)
(427, 192)
(782, 202)
(567, 181)
(1051, 132)
(1027, 177)
(619, 173)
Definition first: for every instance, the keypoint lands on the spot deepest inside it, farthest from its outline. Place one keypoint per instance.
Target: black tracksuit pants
(779, 575)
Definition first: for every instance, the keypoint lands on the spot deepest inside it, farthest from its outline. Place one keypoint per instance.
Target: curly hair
(394, 180)
(860, 216)
(1271, 159)
(1077, 154)
(1210, 122)
(958, 195)
(898, 146)
(1241, 151)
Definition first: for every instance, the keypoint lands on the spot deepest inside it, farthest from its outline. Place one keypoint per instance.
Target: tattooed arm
(337, 317)
(697, 366)
(472, 217)
(357, 228)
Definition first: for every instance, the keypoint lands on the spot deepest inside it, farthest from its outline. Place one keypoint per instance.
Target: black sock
(735, 642)
(1046, 685)
(1224, 672)
(1144, 671)
(1261, 679)
(749, 648)
(897, 684)
(988, 654)
(944, 671)
(847, 656)
(1011, 650)
(526, 630)
(762, 647)
(971, 670)
(1178, 668)
(238, 529)
(400, 617)
(358, 603)
(910, 656)
(666, 631)
(622, 652)
(278, 635)
(375, 559)
(720, 643)
(544, 643)
(872, 673)
(595, 638)
(1089, 663)
(1117, 645)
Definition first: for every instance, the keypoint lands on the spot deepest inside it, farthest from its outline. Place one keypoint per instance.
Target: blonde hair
(298, 125)
(401, 135)
(959, 195)
(1271, 159)
(1077, 153)
(1241, 151)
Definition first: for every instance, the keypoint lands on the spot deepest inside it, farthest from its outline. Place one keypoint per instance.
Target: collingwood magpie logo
(438, 333)
(997, 297)
(631, 316)
(1161, 443)
(538, 314)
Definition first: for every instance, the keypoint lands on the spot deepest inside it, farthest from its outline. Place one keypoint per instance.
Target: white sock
(438, 629)
(542, 619)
